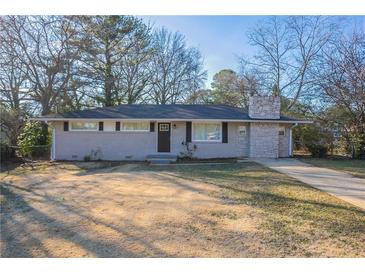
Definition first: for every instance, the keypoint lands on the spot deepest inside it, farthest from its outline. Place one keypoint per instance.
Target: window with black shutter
(65, 126)
(224, 132)
(152, 126)
(117, 126)
(101, 126)
(188, 132)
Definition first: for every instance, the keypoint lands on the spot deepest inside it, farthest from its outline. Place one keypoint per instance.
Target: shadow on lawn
(13, 230)
(280, 211)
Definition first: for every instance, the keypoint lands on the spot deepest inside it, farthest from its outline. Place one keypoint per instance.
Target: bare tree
(41, 44)
(286, 50)
(340, 75)
(12, 92)
(273, 47)
(13, 76)
(177, 69)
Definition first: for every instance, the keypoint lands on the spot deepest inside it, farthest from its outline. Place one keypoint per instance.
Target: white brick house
(132, 132)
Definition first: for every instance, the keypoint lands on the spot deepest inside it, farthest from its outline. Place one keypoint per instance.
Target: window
(242, 130)
(282, 131)
(84, 126)
(135, 126)
(164, 127)
(207, 132)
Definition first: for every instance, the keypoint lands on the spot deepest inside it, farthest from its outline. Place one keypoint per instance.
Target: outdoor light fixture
(174, 126)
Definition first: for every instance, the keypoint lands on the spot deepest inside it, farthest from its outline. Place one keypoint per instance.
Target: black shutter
(65, 126)
(101, 126)
(152, 126)
(188, 132)
(117, 126)
(224, 132)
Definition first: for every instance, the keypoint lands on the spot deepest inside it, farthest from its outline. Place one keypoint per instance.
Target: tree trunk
(108, 85)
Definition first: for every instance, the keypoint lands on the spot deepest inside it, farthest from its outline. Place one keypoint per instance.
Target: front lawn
(354, 167)
(295, 219)
(183, 210)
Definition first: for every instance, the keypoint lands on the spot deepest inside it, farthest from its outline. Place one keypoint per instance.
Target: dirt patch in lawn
(115, 212)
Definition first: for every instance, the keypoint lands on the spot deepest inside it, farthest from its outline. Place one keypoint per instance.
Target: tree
(13, 92)
(200, 96)
(34, 139)
(13, 74)
(316, 138)
(340, 75)
(11, 122)
(104, 41)
(286, 50)
(41, 44)
(177, 69)
(133, 80)
(228, 88)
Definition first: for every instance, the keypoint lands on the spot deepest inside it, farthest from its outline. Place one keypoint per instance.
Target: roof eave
(48, 119)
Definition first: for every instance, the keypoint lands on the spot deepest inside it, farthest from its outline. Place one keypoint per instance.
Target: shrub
(314, 138)
(87, 158)
(189, 150)
(317, 150)
(6, 152)
(34, 139)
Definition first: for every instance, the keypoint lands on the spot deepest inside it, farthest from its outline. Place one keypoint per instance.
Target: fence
(15, 153)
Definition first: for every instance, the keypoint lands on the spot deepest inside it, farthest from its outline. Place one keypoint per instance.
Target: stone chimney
(264, 107)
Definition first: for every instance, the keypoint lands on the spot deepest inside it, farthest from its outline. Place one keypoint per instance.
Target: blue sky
(221, 39)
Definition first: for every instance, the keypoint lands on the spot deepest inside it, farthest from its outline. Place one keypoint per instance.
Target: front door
(163, 141)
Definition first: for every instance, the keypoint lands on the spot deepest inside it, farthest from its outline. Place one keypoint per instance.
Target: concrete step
(161, 159)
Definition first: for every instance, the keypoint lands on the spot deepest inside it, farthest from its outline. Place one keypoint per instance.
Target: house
(133, 132)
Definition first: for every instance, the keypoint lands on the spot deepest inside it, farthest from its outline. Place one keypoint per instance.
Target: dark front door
(163, 137)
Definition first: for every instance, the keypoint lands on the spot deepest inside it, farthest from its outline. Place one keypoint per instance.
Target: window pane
(135, 126)
(207, 132)
(84, 125)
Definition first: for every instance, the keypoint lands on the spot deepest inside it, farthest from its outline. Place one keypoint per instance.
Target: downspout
(291, 140)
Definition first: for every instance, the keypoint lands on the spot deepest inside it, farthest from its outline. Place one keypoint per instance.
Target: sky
(220, 39)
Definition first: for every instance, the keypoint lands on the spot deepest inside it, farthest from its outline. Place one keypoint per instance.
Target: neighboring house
(133, 132)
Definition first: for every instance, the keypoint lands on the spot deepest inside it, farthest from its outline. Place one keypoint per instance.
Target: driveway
(339, 184)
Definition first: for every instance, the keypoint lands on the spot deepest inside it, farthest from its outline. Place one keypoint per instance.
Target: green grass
(354, 167)
(295, 219)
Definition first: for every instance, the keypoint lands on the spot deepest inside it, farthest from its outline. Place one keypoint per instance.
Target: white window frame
(163, 124)
(131, 130)
(208, 141)
(84, 130)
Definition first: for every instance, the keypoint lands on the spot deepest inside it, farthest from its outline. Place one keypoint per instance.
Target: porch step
(161, 159)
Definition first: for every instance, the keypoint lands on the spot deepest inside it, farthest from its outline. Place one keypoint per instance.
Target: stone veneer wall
(264, 107)
(264, 140)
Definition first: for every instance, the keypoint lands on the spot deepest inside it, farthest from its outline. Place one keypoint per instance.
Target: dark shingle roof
(140, 111)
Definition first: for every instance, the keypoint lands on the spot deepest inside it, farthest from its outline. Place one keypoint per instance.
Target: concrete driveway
(339, 184)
